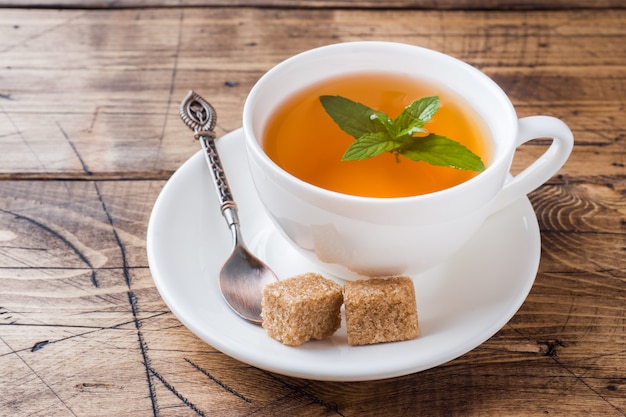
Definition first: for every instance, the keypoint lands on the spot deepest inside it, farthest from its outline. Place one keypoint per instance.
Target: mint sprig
(375, 132)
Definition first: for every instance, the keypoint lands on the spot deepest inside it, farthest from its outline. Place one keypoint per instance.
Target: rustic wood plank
(372, 4)
(122, 347)
(69, 320)
(131, 67)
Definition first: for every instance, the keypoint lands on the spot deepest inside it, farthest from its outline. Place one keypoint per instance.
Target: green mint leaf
(390, 126)
(375, 132)
(410, 131)
(354, 118)
(417, 114)
(369, 145)
(442, 151)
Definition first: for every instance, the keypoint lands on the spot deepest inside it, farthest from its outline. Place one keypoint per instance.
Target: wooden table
(90, 133)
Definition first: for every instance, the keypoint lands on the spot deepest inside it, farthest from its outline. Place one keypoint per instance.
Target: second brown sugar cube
(380, 310)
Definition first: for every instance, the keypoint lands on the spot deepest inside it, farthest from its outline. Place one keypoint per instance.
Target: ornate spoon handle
(201, 117)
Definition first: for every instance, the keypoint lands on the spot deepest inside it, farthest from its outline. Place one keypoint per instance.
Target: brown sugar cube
(380, 310)
(301, 308)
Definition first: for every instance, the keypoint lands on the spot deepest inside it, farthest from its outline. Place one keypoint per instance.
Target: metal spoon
(243, 276)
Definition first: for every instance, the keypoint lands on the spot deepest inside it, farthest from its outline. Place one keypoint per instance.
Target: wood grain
(89, 134)
(131, 68)
(305, 4)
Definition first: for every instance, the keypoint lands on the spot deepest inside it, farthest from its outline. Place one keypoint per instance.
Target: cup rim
(254, 146)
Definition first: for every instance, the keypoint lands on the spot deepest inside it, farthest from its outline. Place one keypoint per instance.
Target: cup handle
(545, 166)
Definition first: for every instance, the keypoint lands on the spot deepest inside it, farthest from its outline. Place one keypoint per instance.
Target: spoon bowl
(243, 275)
(241, 281)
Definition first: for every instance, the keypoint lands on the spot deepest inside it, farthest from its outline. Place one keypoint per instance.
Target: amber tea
(303, 140)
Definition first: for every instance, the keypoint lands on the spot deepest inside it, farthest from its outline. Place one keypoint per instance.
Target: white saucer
(460, 304)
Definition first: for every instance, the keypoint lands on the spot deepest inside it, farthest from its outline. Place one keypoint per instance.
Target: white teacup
(352, 237)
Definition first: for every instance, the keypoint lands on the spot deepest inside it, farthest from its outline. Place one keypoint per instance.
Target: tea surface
(303, 139)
